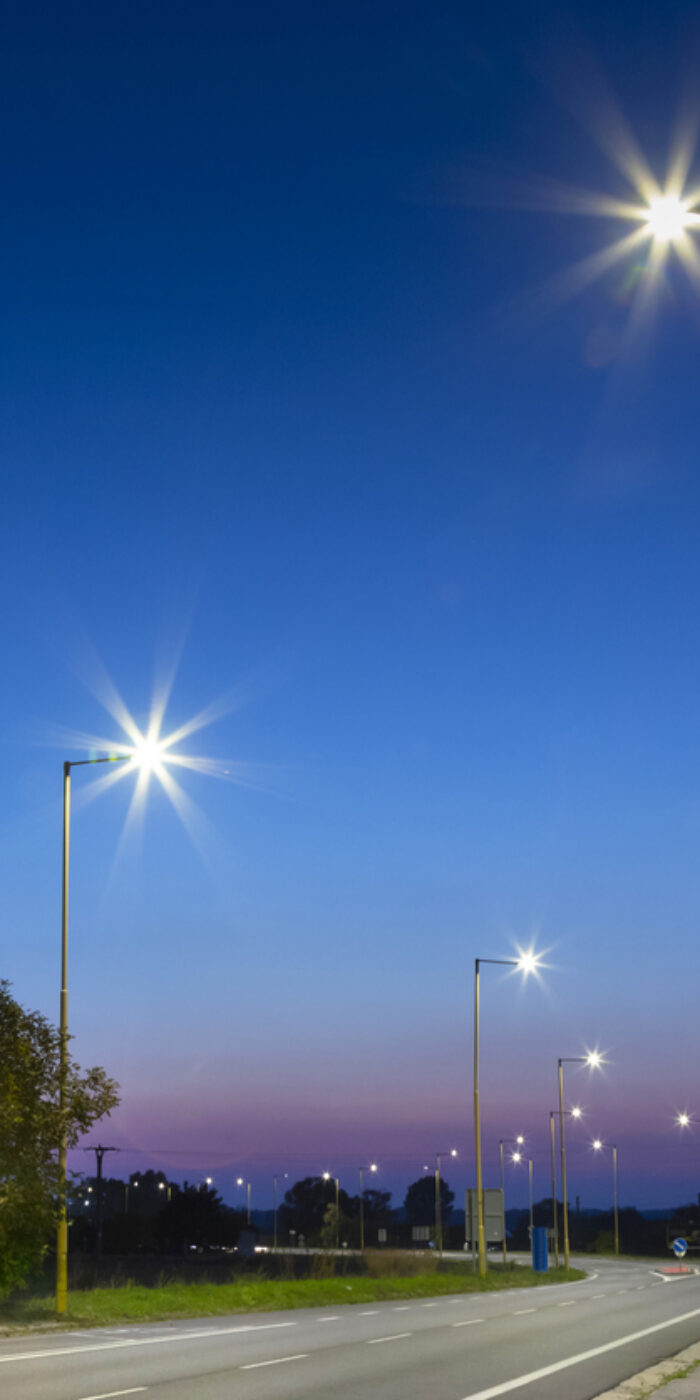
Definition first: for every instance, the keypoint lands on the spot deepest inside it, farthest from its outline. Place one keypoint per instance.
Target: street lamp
(327, 1177)
(576, 1113)
(683, 1120)
(519, 1140)
(599, 1146)
(518, 1157)
(526, 963)
(372, 1168)
(438, 1200)
(593, 1060)
(274, 1207)
(241, 1182)
(62, 1227)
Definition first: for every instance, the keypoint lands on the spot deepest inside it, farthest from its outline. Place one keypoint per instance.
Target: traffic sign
(679, 1247)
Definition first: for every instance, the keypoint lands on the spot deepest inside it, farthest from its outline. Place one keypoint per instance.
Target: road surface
(572, 1340)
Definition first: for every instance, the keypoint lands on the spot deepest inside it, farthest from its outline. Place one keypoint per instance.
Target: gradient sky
(280, 397)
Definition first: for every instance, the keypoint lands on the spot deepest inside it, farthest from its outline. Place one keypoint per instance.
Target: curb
(649, 1381)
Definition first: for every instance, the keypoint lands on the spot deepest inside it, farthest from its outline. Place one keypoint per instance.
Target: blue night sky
(282, 399)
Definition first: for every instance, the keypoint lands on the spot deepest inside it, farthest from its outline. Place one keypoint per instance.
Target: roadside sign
(679, 1247)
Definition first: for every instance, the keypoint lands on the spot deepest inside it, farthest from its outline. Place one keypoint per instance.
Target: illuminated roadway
(536, 1344)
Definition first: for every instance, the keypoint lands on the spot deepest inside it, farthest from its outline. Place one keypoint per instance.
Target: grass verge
(98, 1307)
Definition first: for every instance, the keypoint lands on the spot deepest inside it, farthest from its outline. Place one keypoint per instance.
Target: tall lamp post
(593, 1060)
(570, 1113)
(327, 1177)
(518, 1157)
(526, 963)
(240, 1181)
(62, 1227)
(519, 1140)
(274, 1206)
(372, 1168)
(438, 1197)
(598, 1146)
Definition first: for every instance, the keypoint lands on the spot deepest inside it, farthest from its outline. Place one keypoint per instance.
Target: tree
(419, 1204)
(304, 1207)
(31, 1126)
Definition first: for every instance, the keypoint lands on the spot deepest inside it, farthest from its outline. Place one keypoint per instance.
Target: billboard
(493, 1216)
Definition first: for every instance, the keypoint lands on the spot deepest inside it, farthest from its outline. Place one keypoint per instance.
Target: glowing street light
(518, 1157)
(683, 1120)
(667, 218)
(576, 1113)
(599, 1146)
(240, 1181)
(372, 1168)
(327, 1177)
(527, 963)
(593, 1059)
(438, 1199)
(519, 1140)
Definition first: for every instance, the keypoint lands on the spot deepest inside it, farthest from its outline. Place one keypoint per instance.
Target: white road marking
(404, 1307)
(110, 1394)
(641, 1287)
(144, 1341)
(429, 1305)
(520, 1312)
(471, 1322)
(278, 1361)
(622, 1290)
(373, 1312)
(336, 1318)
(570, 1304)
(597, 1295)
(518, 1381)
(376, 1341)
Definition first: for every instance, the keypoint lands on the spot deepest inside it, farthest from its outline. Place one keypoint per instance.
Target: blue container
(540, 1261)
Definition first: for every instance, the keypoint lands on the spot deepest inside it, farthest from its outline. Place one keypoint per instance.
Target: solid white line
(556, 1366)
(520, 1312)
(110, 1394)
(278, 1361)
(470, 1323)
(376, 1341)
(145, 1341)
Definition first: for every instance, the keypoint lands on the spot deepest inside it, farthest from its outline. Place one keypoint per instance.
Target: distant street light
(599, 1146)
(438, 1199)
(274, 1207)
(526, 963)
(327, 1177)
(518, 1157)
(519, 1140)
(570, 1113)
(594, 1060)
(241, 1182)
(683, 1120)
(372, 1168)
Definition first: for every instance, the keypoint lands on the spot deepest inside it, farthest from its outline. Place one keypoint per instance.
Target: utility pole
(99, 1152)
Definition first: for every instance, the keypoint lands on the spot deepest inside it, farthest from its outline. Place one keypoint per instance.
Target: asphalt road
(572, 1340)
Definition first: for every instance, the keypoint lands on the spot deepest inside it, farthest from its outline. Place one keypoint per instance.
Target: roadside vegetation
(391, 1275)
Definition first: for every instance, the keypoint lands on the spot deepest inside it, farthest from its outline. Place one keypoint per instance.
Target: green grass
(133, 1303)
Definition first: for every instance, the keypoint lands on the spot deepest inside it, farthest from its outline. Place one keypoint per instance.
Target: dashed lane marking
(336, 1318)
(144, 1341)
(403, 1307)
(397, 1337)
(471, 1322)
(570, 1304)
(520, 1312)
(278, 1361)
(373, 1312)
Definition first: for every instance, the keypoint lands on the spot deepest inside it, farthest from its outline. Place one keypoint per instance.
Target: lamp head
(520, 1139)
(148, 754)
(594, 1059)
(597, 1145)
(373, 1167)
(667, 218)
(683, 1120)
(528, 962)
(517, 1157)
(576, 1112)
(239, 1181)
(453, 1152)
(326, 1176)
